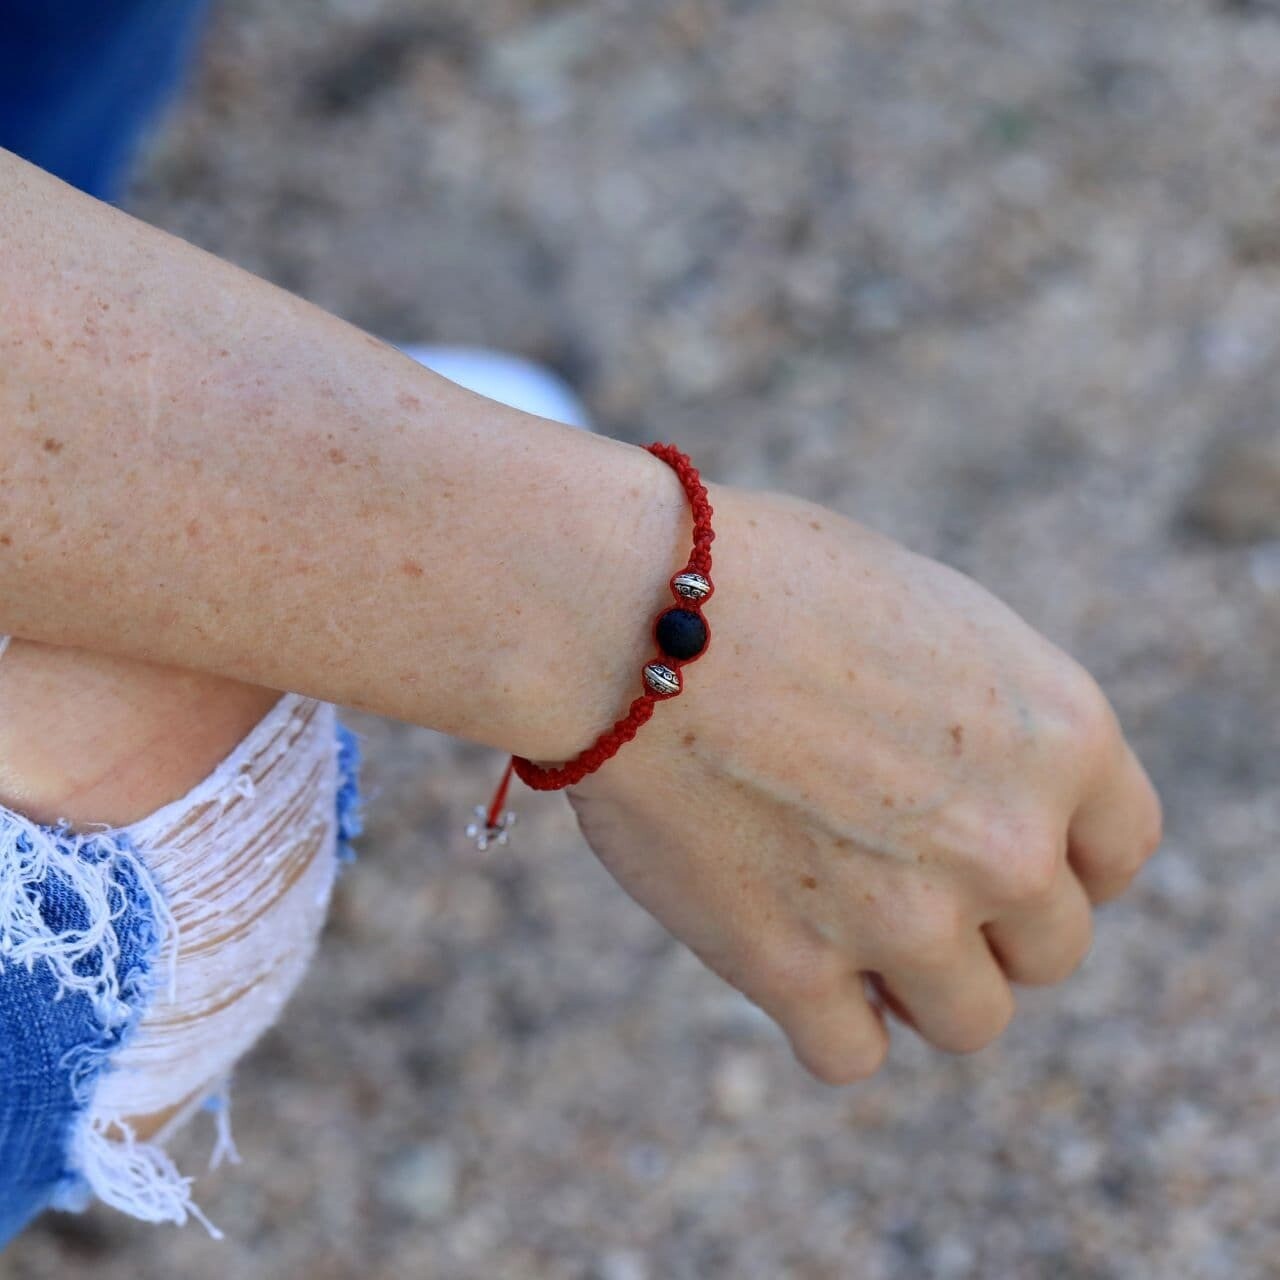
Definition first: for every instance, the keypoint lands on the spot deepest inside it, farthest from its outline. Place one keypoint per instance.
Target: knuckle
(1014, 860)
(1082, 715)
(932, 936)
(1090, 717)
(800, 969)
(1029, 876)
(1126, 864)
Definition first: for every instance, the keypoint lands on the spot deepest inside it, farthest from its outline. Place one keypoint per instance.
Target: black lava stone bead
(681, 633)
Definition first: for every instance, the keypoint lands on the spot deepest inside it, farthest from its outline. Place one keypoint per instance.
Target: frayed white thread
(39, 868)
(85, 960)
(4, 644)
(224, 1146)
(246, 859)
(137, 1178)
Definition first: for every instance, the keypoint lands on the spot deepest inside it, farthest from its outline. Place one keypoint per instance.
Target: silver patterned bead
(692, 586)
(661, 679)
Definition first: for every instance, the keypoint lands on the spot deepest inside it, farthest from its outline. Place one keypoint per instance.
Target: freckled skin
(943, 891)
(385, 462)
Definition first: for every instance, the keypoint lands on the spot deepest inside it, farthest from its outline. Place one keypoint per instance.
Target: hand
(875, 768)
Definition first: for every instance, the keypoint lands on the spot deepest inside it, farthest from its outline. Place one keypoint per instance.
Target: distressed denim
(79, 943)
(50, 1046)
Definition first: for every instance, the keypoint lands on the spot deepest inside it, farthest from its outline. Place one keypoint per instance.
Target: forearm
(199, 469)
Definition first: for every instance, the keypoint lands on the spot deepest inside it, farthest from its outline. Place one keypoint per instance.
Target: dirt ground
(999, 277)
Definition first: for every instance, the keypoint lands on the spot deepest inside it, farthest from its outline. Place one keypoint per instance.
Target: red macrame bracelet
(681, 634)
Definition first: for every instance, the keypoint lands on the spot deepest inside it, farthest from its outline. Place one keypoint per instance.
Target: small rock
(953, 1257)
(739, 1085)
(1237, 497)
(1264, 565)
(647, 1162)
(622, 1264)
(1078, 1159)
(421, 1181)
(535, 64)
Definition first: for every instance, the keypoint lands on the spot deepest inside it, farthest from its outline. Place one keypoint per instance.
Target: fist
(879, 790)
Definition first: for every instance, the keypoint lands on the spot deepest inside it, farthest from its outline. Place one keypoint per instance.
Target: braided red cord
(610, 742)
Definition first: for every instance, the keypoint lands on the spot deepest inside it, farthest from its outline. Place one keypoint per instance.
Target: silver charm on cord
(690, 585)
(661, 679)
(483, 833)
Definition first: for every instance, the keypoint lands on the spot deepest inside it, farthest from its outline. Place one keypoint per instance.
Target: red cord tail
(498, 803)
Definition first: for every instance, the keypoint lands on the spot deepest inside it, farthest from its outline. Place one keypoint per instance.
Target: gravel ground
(1000, 277)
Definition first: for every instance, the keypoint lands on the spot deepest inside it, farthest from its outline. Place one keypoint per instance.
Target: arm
(876, 769)
(199, 469)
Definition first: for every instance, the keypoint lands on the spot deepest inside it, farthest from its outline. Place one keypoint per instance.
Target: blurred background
(998, 277)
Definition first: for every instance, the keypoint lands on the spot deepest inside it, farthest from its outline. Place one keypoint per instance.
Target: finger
(841, 1041)
(834, 1031)
(1115, 830)
(960, 1002)
(1042, 945)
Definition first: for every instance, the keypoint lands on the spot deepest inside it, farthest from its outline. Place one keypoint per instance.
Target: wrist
(580, 665)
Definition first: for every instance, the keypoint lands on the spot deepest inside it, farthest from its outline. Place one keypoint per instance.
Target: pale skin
(876, 767)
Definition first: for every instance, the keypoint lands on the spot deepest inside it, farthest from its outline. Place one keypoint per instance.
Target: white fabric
(246, 861)
(237, 861)
(510, 380)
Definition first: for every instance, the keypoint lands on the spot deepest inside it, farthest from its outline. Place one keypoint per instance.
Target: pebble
(421, 1181)
(622, 1264)
(1237, 496)
(739, 1085)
